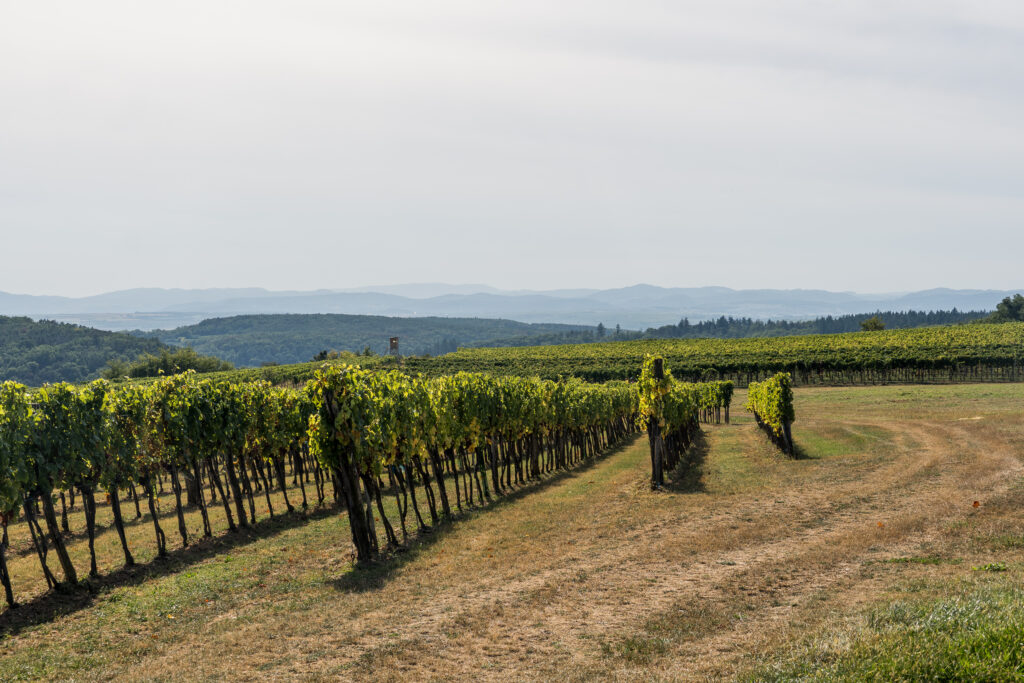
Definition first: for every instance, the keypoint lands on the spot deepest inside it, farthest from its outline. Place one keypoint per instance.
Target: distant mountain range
(636, 307)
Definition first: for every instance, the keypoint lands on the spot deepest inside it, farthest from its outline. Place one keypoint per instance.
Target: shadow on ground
(372, 577)
(688, 476)
(69, 599)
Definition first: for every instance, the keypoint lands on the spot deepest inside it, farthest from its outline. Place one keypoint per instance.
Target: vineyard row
(958, 353)
(771, 402)
(672, 411)
(435, 446)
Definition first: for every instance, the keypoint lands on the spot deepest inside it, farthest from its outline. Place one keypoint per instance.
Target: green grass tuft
(931, 559)
(976, 636)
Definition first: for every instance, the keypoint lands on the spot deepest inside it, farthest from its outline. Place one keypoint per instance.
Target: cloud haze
(850, 146)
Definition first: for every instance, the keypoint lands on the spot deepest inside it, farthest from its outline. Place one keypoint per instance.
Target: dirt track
(586, 577)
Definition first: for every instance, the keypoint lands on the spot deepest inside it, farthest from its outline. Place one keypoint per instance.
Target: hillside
(923, 352)
(251, 340)
(34, 353)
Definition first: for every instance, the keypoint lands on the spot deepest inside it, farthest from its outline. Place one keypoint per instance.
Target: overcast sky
(869, 146)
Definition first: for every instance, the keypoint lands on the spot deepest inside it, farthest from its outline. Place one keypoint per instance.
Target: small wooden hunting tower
(393, 346)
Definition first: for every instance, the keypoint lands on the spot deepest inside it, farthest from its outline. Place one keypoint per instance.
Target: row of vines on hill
(671, 412)
(356, 434)
(972, 353)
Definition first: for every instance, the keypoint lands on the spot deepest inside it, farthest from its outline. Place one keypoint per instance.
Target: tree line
(731, 328)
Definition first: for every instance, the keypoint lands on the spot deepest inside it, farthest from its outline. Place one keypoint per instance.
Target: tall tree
(1009, 309)
(872, 324)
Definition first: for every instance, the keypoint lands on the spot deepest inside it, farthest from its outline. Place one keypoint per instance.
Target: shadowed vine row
(672, 411)
(771, 402)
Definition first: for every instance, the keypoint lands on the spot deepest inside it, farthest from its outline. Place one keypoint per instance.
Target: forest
(253, 340)
(34, 353)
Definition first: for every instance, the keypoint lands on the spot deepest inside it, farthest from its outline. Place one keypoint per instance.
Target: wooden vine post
(787, 437)
(654, 436)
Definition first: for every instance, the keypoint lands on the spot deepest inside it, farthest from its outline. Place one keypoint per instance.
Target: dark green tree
(872, 324)
(168, 362)
(1009, 309)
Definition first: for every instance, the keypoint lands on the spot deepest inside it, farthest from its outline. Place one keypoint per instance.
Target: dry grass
(588, 576)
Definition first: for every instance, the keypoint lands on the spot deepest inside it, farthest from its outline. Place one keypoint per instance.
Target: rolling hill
(251, 340)
(34, 353)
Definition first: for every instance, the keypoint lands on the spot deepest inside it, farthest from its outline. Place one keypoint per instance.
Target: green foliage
(735, 328)
(930, 348)
(974, 636)
(653, 391)
(16, 472)
(935, 349)
(345, 410)
(772, 402)
(671, 412)
(251, 340)
(128, 411)
(388, 418)
(34, 353)
(675, 404)
(1008, 310)
(990, 567)
(166, 362)
(872, 324)
(357, 423)
(57, 443)
(324, 355)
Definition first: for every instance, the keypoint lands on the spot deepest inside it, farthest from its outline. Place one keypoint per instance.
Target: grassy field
(864, 558)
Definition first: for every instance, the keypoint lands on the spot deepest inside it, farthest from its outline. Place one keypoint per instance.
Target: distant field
(864, 557)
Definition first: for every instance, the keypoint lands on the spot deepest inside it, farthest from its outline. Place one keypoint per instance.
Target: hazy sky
(864, 145)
